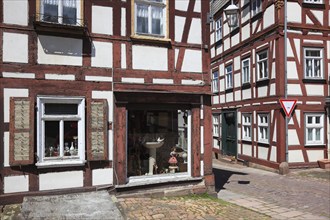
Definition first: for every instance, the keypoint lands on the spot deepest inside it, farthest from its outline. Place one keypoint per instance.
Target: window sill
(247, 141)
(62, 163)
(229, 90)
(315, 81)
(151, 40)
(57, 29)
(313, 5)
(315, 145)
(263, 143)
(262, 82)
(246, 86)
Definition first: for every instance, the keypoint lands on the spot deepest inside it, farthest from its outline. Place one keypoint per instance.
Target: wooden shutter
(21, 131)
(97, 129)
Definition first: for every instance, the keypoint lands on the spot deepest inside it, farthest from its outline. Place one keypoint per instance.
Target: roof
(216, 5)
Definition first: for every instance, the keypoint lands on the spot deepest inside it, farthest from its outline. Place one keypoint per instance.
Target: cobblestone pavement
(292, 196)
(184, 207)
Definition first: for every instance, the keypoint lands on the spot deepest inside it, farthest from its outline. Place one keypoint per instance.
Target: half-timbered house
(248, 79)
(98, 93)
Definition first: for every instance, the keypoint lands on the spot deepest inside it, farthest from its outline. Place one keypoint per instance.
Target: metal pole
(285, 78)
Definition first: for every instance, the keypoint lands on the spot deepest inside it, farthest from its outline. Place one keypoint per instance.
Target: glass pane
(310, 120)
(157, 23)
(50, 11)
(310, 134)
(142, 19)
(158, 142)
(318, 134)
(317, 119)
(52, 129)
(69, 15)
(70, 138)
(61, 109)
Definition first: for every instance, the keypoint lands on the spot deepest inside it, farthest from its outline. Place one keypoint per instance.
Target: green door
(229, 133)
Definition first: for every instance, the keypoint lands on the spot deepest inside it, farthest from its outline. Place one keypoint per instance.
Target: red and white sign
(288, 105)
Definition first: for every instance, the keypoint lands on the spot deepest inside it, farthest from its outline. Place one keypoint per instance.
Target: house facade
(103, 93)
(248, 80)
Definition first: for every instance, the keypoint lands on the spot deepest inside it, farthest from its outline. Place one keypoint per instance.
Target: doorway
(229, 133)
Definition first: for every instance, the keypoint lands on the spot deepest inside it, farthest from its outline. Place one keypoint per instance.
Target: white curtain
(69, 3)
(51, 2)
(142, 11)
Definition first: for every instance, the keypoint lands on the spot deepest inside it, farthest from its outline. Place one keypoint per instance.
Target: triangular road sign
(288, 105)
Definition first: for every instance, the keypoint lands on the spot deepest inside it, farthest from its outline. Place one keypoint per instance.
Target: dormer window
(66, 12)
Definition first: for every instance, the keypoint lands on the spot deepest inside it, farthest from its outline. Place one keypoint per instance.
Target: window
(262, 65)
(313, 61)
(246, 70)
(61, 11)
(255, 7)
(246, 124)
(229, 77)
(314, 124)
(218, 29)
(215, 80)
(60, 131)
(215, 125)
(150, 17)
(263, 128)
(314, 1)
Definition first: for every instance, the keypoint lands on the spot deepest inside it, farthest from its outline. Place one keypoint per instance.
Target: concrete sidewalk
(292, 196)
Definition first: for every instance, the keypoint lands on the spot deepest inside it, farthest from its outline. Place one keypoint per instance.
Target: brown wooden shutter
(21, 131)
(97, 129)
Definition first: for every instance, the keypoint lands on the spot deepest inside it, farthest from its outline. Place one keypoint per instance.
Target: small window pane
(69, 15)
(61, 109)
(70, 135)
(51, 12)
(318, 134)
(52, 130)
(310, 134)
(157, 15)
(142, 19)
(309, 120)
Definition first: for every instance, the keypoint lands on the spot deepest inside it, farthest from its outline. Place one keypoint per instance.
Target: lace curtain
(66, 3)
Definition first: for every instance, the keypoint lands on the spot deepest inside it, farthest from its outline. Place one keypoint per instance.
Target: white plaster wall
(294, 14)
(102, 176)
(222, 99)
(162, 81)
(319, 15)
(263, 153)
(237, 80)
(237, 63)
(221, 69)
(308, 20)
(212, 38)
(215, 99)
(181, 5)
(212, 52)
(219, 49)
(98, 78)
(59, 50)
(292, 70)
(273, 154)
(238, 95)
(273, 73)
(294, 89)
(226, 44)
(275, 131)
(245, 32)
(293, 137)
(229, 97)
(295, 156)
(7, 94)
(102, 55)
(269, 16)
(262, 91)
(192, 61)
(195, 31)
(315, 155)
(108, 95)
(12, 6)
(14, 184)
(6, 149)
(297, 46)
(50, 76)
(247, 150)
(179, 25)
(132, 80)
(238, 137)
(272, 89)
(235, 40)
(222, 85)
(123, 56)
(149, 58)
(245, 15)
(18, 75)
(197, 7)
(61, 180)
(176, 56)
(15, 47)
(102, 20)
(123, 22)
(289, 49)
(246, 94)
(314, 90)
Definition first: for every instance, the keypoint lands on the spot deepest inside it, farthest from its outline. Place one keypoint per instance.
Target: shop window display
(157, 142)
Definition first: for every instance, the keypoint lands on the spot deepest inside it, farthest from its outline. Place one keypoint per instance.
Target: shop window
(60, 131)
(158, 142)
(150, 17)
(313, 61)
(314, 125)
(67, 12)
(263, 128)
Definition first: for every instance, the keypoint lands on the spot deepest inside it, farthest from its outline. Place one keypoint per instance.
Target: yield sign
(288, 105)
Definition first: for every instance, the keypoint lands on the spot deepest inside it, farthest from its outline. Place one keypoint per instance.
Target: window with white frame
(246, 70)
(263, 128)
(229, 77)
(314, 125)
(150, 17)
(314, 1)
(61, 11)
(313, 61)
(60, 131)
(262, 65)
(218, 29)
(255, 7)
(215, 125)
(215, 81)
(247, 129)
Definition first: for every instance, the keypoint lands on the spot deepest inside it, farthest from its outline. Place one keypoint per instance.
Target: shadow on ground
(221, 177)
